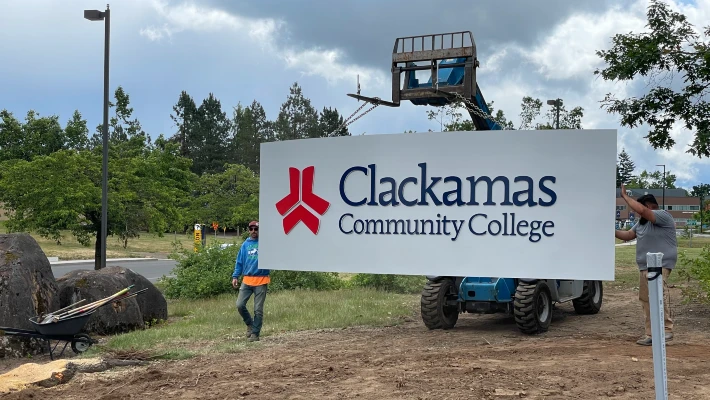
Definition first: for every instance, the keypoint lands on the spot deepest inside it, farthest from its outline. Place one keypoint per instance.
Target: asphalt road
(153, 269)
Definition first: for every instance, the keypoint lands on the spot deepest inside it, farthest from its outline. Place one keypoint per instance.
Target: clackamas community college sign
(535, 204)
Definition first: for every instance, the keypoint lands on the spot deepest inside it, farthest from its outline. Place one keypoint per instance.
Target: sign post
(655, 296)
(198, 236)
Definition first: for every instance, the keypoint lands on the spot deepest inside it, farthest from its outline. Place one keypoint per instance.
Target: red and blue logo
(292, 208)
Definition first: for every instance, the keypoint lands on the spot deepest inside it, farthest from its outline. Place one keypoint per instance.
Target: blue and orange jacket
(248, 264)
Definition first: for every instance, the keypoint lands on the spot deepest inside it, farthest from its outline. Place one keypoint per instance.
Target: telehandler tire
(532, 307)
(436, 313)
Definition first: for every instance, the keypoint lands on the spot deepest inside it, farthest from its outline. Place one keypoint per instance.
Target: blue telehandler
(451, 58)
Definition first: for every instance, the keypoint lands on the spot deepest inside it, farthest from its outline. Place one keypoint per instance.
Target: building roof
(636, 193)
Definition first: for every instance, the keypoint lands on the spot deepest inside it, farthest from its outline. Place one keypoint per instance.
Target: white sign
(514, 204)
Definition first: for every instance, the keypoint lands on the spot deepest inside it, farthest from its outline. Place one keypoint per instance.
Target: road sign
(198, 236)
(692, 222)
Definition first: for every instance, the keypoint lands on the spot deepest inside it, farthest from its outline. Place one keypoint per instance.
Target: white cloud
(569, 52)
(326, 63)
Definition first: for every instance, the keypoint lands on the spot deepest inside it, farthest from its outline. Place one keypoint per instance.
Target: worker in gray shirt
(655, 233)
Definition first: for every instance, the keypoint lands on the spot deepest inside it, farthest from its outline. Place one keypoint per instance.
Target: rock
(119, 316)
(152, 303)
(27, 289)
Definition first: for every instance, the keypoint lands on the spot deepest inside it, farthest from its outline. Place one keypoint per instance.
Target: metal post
(557, 103)
(96, 15)
(655, 295)
(104, 193)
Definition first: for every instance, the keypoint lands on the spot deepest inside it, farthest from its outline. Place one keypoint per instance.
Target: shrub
(698, 270)
(405, 284)
(202, 274)
(208, 272)
(289, 280)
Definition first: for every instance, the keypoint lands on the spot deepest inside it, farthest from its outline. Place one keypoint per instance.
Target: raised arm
(643, 211)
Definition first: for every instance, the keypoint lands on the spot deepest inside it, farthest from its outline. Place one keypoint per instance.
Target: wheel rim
(597, 295)
(81, 346)
(543, 307)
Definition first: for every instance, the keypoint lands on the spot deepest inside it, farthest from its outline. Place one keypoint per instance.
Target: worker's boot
(248, 331)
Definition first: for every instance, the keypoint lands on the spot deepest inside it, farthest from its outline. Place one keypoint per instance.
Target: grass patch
(627, 273)
(148, 244)
(214, 326)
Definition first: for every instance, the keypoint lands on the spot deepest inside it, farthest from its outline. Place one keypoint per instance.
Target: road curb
(108, 260)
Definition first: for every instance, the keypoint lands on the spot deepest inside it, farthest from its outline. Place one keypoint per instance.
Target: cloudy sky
(241, 50)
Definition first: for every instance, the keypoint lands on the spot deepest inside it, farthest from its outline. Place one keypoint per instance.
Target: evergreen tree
(297, 118)
(625, 168)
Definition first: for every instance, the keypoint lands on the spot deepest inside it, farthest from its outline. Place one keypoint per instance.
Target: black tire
(81, 345)
(436, 314)
(591, 300)
(532, 307)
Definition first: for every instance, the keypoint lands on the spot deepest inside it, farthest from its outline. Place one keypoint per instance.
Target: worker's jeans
(259, 292)
(643, 297)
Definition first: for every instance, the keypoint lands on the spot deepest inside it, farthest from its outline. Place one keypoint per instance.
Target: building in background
(677, 202)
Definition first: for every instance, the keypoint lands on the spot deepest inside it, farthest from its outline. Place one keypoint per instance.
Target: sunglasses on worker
(254, 228)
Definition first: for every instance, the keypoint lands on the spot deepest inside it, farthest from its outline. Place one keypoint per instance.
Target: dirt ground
(484, 357)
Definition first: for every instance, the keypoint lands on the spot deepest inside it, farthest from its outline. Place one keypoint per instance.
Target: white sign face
(511, 204)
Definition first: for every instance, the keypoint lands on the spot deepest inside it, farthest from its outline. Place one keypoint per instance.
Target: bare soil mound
(484, 357)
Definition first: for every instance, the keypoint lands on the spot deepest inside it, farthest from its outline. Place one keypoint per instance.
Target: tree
(703, 192)
(530, 109)
(122, 129)
(249, 126)
(186, 119)
(230, 197)
(297, 119)
(651, 180)
(671, 47)
(457, 122)
(39, 135)
(329, 121)
(62, 191)
(209, 146)
(625, 168)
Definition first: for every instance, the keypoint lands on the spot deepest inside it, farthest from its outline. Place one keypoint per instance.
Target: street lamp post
(96, 15)
(557, 103)
(664, 184)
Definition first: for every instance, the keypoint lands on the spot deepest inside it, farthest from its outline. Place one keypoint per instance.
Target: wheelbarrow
(66, 330)
(66, 324)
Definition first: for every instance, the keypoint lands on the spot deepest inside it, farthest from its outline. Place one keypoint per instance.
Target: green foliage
(405, 284)
(531, 108)
(62, 190)
(671, 47)
(310, 280)
(457, 122)
(697, 271)
(230, 198)
(208, 272)
(202, 274)
(624, 168)
(651, 180)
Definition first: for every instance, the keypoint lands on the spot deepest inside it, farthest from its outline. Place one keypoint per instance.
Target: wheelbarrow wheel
(81, 343)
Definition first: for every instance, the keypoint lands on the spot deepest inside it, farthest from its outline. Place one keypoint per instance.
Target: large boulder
(119, 316)
(27, 289)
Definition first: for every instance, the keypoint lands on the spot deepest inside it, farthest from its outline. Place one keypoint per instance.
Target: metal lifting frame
(433, 51)
(454, 52)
